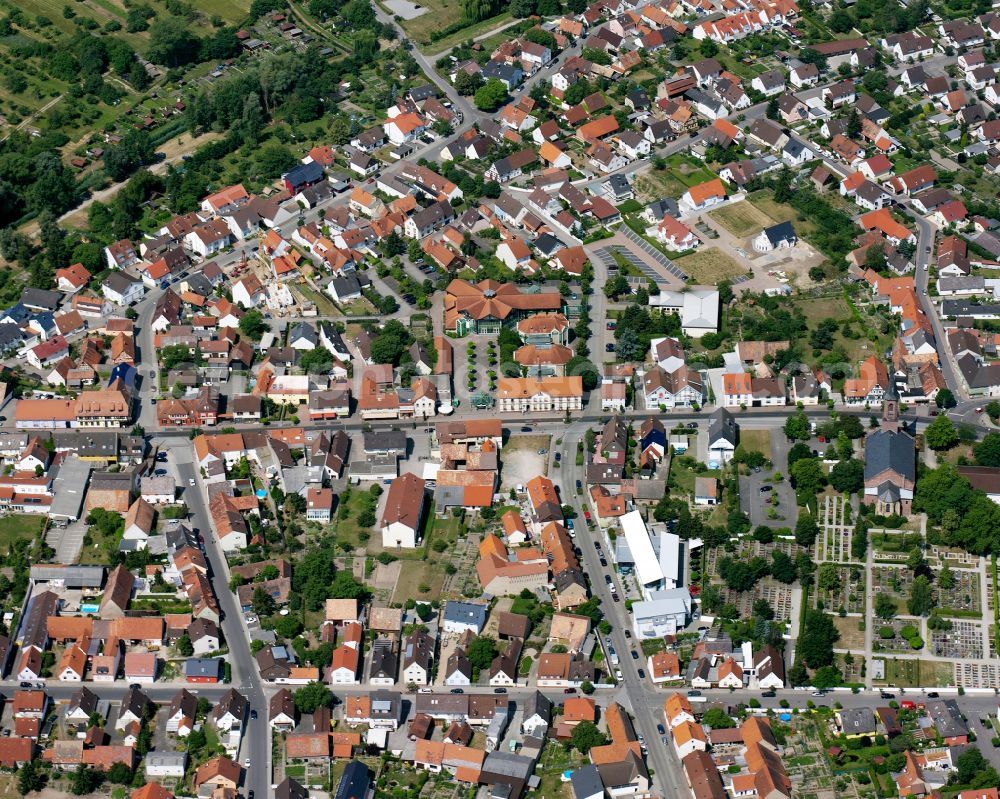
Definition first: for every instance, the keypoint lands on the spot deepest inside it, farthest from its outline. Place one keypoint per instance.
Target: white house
(404, 507)
(121, 289)
(703, 195)
(165, 764)
(777, 237)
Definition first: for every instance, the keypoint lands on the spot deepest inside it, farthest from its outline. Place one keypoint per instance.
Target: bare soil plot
(710, 266)
(850, 636)
(742, 219)
(520, 460)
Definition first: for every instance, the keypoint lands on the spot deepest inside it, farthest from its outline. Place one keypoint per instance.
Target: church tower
(890, 408)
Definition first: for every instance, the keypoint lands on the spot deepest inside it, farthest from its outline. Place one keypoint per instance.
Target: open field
(817, 309)
(324, 305)
(416, 575)
(850, 636)
(710, 266)
(741, 219)
(917, 673)
(756, 440)
(764, 202)
(16, 527)
(681, 173)
(441, 14)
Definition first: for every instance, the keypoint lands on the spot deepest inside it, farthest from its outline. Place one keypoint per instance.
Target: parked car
(457, 691)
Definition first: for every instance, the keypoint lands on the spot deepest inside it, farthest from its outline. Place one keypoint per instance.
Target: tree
(581, 367)
(945, 398)
(171, 43)
(946, 578)
(708, 48)
(828, 577)
(972, 769)
(915, 559)
(797, 427)
(490, 96)
(816, 640)
(718, 719)
(782, 567)
(253, 325)
(29, 778)
(586, 736)
(987, 451)
(120, 774)
(365, 44)
(184, 646)
(827, 677)
(796, 453)
(841, 21)
(274, 159)
(312, 696)
(921, 596)
(848, 476)
(288, 626)
(263, 602)
(737, 574)
(85, 780)
(798, 674)
(807, 477)
(885, 606)
(466, 84)
(941, 433)
(481, 652)
(806, 529)
(318, 360)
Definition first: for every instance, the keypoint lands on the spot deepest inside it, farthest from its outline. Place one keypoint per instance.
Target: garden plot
(963, 640)
(848, 594)
(893, 545)
(963, 598)
(894, 581)
(897, 635)
(833, 544)
(778, 596)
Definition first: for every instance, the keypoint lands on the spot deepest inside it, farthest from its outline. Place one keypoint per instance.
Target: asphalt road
(637, 694)
(245, 677)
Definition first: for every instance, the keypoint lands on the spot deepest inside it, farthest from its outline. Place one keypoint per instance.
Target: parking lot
(766, 501)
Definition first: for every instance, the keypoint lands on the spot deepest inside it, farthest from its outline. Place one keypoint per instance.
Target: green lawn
(757, 441)
(16, 527)
(683, 471)
(917, 673)
(324, 305)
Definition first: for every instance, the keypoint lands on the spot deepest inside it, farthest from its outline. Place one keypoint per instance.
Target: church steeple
(890, 407)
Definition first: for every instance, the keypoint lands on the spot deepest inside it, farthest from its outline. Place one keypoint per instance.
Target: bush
(909, 631)
(886, 632)
(916, 642)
